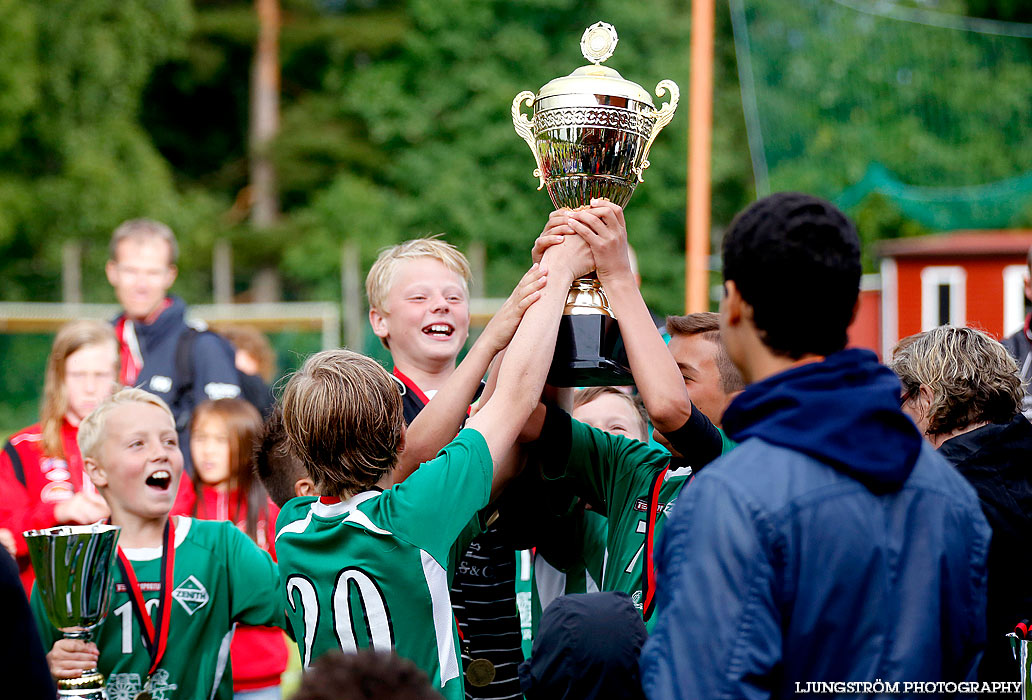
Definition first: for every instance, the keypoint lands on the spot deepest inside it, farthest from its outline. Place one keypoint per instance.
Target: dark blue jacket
(212, 358)
(832, 545)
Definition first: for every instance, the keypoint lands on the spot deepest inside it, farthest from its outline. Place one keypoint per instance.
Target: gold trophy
(590, 133)
(74, 578)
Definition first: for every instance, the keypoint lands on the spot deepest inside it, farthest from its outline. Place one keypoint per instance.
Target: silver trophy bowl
(74, 577)
(591, 131)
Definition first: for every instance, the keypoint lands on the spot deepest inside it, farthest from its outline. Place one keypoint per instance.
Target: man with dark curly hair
(366, 675)
(833, 544)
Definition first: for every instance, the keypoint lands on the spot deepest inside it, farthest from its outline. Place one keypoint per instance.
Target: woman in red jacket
(41, 478)
(222, 437)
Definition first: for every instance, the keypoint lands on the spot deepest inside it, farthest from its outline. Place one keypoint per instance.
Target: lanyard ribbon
(648, 567)
(156, 639)
(411, 386)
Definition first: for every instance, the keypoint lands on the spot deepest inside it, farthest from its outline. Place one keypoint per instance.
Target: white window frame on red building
(932, 278)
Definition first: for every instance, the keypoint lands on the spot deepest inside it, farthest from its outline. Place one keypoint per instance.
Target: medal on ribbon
(479, 672)
(155, 637)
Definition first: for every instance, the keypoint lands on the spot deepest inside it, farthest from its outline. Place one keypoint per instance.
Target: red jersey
(258, 654)
(32, 483)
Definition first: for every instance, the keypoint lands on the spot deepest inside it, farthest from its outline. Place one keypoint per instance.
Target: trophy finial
(598, 42)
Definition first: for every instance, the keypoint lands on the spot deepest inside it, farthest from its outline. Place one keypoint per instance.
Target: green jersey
(615, 474)
(221, 577)
(374, 571)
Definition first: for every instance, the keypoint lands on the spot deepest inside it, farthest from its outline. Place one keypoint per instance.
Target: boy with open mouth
(181, 583)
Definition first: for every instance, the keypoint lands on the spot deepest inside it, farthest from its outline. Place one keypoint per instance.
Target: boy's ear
(401, 440)
(305, 487)
(379, 323)
(732, 305)
(95, 471)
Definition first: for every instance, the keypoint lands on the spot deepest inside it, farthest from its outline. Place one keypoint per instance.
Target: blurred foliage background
(394, 122)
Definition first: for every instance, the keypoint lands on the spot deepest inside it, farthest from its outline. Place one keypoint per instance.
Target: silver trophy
(73, 566)
(1019, 647)
(590, 133)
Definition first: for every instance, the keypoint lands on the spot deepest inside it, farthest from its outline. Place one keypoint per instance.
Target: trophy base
(86, 687)
(589, 352)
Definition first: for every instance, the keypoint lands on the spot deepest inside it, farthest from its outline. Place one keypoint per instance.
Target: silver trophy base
(89, 686)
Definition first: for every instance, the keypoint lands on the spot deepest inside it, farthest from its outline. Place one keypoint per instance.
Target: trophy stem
(586, 296)
(88, 686)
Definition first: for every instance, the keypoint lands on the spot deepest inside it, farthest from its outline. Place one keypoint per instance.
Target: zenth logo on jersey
(191, 594)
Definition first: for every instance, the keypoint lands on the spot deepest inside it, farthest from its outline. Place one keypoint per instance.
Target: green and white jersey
(615, 473)
(221, 577)
(374, 571)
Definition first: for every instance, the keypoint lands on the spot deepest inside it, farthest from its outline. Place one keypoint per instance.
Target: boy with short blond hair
(192, 580)
(419, 307)
(380, 279)
(364, 567)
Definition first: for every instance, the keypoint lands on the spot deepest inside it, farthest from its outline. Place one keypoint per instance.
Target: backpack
(252, 388)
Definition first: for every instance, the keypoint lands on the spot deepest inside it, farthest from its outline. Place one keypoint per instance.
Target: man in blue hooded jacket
(151, 329)
(833, 545)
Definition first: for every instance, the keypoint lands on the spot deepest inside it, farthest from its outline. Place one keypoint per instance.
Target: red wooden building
(963, 278)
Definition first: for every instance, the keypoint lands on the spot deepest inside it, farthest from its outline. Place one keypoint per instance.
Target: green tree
(441, 112)
(76, 161)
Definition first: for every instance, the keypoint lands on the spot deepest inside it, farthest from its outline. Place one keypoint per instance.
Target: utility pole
(700, 145)
(265, 90)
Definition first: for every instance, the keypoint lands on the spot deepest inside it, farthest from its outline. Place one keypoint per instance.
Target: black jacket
(23, 661)
(997, 460)
(587, 647)
(1019, 346)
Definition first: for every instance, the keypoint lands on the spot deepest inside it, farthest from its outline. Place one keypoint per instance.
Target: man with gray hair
(1019, 345)
(159, 350)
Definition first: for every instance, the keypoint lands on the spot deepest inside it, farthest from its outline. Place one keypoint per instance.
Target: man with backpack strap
(152, 327)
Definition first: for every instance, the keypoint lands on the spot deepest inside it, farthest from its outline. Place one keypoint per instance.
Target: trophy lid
(597, 44)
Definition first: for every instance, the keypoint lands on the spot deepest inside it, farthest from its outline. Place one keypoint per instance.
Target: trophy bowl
(74, 577)
(590, 133)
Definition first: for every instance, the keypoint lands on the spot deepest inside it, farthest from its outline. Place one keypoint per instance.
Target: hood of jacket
(843, 411)
(587, 646)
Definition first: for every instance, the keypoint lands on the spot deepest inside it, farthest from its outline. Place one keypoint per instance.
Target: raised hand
(7, 541)
(556, 227)
(503, 325)
(603, 229)
(572, 255)
(82, 508)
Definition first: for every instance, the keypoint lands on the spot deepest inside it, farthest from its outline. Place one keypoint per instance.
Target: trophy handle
(525, 129)
(663, 117)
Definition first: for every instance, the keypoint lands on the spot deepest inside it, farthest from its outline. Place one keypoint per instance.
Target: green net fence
(930, 110)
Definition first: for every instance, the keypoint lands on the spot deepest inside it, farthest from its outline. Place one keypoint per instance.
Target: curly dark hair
(274, 463)
(795, 259)
(366, 675)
